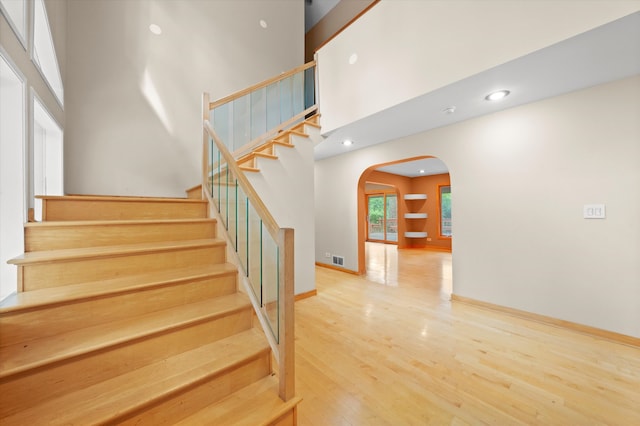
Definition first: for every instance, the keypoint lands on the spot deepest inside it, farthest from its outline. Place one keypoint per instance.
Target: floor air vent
(338, 260)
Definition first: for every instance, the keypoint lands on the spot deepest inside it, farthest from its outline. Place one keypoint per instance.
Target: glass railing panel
(273, 106)
(255, 252)
(258, 113)
(270, 281)
(241, 122)
(309, 87)
(222, 120)
(232, 210)
(223, 179)
(249, 116)
(297, 94)
(243, 230)
(286, 98)
(211, 169)
(214, 173)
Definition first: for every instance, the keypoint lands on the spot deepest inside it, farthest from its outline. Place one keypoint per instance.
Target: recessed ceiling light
(155, 29)
(421, 171)
(353, 58)
(347, 142)
(496, 96)
(449, 110)
(263, 23)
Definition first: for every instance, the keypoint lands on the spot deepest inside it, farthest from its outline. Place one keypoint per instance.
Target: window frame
(440, 218)
(384, 195)
(32, 52)
(24, 166)
(25, 17)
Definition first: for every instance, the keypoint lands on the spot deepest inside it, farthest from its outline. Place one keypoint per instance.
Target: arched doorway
(421, 187)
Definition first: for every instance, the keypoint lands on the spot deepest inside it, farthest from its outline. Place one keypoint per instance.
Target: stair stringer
(286, 186)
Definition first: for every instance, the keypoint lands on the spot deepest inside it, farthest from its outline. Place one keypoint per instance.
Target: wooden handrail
(284, 347)
(252, 297)
(286, 317)
(262, 211)
(260, 85)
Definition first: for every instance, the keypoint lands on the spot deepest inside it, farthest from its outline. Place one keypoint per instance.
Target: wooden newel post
(286, 313)
(205, 142)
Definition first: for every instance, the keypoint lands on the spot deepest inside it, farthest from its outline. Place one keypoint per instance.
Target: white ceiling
(604, 54)
(431, 166)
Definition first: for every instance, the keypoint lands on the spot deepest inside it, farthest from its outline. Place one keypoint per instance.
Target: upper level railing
(263, 250)
(251, 116)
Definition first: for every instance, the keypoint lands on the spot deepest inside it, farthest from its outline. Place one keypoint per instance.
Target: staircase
(128, 313)
(283, 141)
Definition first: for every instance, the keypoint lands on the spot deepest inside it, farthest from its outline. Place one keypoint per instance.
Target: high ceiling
(604, 54)
(422, 167)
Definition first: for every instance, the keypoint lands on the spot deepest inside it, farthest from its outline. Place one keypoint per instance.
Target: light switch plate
(594, 211)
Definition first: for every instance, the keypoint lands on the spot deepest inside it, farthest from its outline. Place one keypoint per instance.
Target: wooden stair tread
(23, 356)
(249, 169)
(106, 251)
(121, 198)
(289, 132)
(300, 126)
(312, 124)
(254, 154)
(281, 143)
(281, 139)
(114, 398)
(294, 132)
(256, 404)
(46, 297)
(74, 223)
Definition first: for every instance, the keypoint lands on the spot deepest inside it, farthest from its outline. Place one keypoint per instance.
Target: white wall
(417, 47)
(285, 186)
(520, 179)
(133, 98)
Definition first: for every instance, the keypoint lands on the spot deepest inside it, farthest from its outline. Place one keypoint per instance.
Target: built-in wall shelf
(415, 216)
(415, 196)
(414, 227)
(415, 235)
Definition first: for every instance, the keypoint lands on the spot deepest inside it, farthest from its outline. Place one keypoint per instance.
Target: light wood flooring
(389, 348)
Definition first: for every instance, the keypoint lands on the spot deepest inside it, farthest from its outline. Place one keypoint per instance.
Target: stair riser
(251, 162)
(79, 236)
(195, 193)
(74, 271)
(266, 149)
(108, 209)
(287, 419)
(181, 405)
(29, 388)
(288, 136)
(24, 326)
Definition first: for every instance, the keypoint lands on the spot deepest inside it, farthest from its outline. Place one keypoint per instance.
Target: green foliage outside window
(376, 209)
(445, 211)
